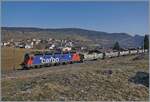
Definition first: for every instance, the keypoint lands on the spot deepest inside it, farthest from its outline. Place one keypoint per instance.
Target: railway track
(36, 72)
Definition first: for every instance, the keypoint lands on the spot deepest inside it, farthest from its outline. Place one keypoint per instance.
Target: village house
(27, 46)
(66, 49)
(6, 43)
(52, 47)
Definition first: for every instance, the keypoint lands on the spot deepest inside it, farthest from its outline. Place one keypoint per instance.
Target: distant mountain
(138, 39)
(89, 36)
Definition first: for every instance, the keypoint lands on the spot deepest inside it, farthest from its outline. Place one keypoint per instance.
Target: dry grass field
(10, 58)
(101, 80)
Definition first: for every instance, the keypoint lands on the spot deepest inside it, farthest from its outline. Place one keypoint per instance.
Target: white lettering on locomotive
(49, 60)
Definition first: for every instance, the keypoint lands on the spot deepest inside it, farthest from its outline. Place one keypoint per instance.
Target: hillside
(102, 38)
(101, 80)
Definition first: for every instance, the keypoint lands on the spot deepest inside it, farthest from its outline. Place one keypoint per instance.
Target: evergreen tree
(146, 42)
(116, 46)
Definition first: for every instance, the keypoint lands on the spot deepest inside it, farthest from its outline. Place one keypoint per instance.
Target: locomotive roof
(49, 52)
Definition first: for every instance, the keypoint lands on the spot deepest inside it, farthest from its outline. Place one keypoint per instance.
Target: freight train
(34, 60)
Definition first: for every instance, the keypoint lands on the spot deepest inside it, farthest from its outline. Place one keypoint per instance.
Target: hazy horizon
(70, 28)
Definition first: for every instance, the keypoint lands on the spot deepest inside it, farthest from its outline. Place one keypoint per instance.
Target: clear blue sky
(129, 17)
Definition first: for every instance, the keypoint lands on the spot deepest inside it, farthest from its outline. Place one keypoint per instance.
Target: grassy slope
(12, 57)
(87, 81)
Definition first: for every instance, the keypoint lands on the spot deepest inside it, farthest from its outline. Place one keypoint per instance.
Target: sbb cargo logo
(49, 60)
